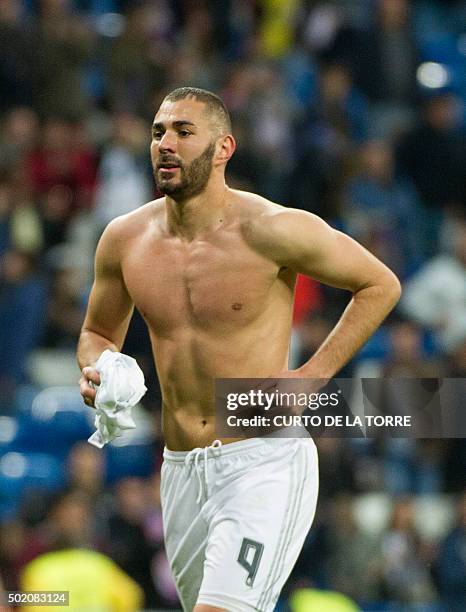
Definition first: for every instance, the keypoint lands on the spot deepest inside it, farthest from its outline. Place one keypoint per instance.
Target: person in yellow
(95, 583)
(312, 600)
(277, 27)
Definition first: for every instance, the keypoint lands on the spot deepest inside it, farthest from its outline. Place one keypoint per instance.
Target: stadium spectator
(134, 67)
(335, 119)
(67, 293)
(17, 69)
(432, 153)
(405, 574)
(86, 474)
(409, 354)
(451, 563)
(70, 522)
(353, 553)
(336, 472)
(123, 179)
(23, 295)
(63, 43)
(311, 600)
(436, 296)
(19, 135)
(383, 212)
(383, 56)
(20, 544)
(93, 581)
(63, 161)
(20, 221)
(129, 546)
(85, 469)
(276, 27)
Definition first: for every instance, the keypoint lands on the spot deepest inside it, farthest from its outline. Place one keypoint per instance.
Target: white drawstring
(196, 454)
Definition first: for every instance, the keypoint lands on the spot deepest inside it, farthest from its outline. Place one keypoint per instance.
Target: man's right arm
(109, 309)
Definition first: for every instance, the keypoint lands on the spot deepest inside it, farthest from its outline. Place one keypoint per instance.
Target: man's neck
(196, 216)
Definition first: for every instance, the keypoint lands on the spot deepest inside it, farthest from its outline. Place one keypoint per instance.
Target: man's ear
(226, 146)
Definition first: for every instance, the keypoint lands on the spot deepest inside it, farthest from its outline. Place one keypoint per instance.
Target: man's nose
(168, 142)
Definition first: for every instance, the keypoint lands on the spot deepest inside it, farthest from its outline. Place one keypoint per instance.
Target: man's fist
(88, 391)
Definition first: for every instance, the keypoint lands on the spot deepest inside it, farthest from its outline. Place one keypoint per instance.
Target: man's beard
(193, 178)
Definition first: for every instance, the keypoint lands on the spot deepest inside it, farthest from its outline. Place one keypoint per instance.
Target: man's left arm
(306, 244)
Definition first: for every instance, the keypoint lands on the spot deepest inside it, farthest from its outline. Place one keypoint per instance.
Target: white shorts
(235, 519)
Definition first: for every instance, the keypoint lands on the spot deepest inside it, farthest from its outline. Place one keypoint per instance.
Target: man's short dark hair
(215, 106)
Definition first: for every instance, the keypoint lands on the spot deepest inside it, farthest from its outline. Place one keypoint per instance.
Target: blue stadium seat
(22, 471)
(9, 429)
(54, 421)
(130, 460)
(24, 397)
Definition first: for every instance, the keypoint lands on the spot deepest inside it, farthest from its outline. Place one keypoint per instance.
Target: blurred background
(351, 109)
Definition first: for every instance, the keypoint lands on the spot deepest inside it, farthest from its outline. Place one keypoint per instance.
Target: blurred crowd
(123, 523)
(351, 109)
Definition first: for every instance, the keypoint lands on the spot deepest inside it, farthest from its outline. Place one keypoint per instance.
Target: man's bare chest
(200, 283)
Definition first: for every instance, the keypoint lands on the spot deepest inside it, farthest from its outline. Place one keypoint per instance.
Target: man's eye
(156, 135)
(184, 133)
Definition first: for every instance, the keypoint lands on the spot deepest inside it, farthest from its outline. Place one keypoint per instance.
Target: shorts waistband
(229, 449)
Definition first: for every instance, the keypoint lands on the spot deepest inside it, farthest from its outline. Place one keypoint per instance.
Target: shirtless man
(212, 271)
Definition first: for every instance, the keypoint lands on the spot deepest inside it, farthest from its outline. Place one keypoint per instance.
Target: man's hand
(313, 383)
(88, 392)
(290, 381)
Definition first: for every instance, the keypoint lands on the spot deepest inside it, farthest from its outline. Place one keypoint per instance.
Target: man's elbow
(386, 290)
(392, 290)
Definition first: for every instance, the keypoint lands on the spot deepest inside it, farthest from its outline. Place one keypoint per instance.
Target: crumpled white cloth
(121, 387)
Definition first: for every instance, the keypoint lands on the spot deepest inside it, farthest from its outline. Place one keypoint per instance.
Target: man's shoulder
(124, 231)
(135, 222)
(262, 221)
